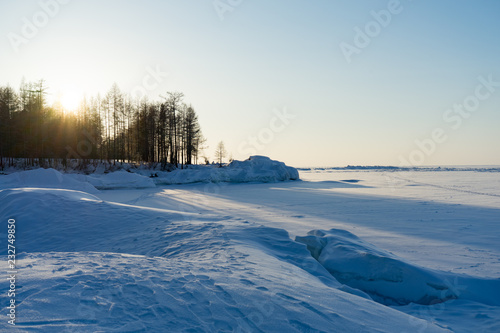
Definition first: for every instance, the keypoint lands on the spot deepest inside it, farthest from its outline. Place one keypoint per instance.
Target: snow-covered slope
(120, 179)
(219, 256)
(87, 265)
(443, 222)
(45, 178)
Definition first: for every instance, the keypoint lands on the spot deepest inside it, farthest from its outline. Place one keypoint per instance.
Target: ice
(255, 169)
(382, 168)
(260, 169)
(388, 278)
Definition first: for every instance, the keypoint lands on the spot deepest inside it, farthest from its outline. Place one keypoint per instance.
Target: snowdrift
(44, 178)
(388, 279)
(255, 169)
(260, 169)
(89, 265)
(120, 180)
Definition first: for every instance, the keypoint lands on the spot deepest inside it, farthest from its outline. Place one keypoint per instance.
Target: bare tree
(192, 134)
(220, 152)
(172, 106)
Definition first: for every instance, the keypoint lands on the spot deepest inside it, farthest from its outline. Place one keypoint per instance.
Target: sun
(70, 99)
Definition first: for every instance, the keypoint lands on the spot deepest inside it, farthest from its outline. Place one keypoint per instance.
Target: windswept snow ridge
(44, 178)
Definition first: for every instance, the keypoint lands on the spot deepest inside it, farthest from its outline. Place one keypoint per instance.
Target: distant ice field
(477, 185)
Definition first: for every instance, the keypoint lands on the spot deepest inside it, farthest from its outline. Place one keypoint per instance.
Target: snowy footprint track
(448, 188)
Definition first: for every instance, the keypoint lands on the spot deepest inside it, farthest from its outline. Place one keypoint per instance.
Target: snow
(389, 279)
(255, 169)
(341, 250)
(91, 265)
(46, 178)
(381, 168)
(261, 169)
(120, 179)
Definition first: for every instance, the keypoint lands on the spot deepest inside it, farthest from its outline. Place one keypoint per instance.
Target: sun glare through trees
(113, 127)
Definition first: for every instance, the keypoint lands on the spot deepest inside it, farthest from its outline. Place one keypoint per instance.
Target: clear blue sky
(265, 57)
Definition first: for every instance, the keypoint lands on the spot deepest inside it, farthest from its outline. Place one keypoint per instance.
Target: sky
(310, 83)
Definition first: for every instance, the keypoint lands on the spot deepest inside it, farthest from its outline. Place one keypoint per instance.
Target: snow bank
(44, 178)
(43, 195)
(255, 169)
(120, 180)
(389, 279)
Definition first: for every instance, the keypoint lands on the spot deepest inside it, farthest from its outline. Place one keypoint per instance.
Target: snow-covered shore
(339, 251)
(259, 169)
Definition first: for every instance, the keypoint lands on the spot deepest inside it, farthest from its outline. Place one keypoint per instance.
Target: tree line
(114, 128)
